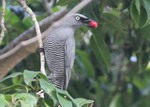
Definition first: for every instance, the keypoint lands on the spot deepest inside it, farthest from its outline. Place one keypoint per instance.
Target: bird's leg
(41, 50)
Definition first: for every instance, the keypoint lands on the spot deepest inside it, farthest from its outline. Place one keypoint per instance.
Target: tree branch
(49, 5)
(3, 29)
(38, 32)
(30, 33)
(9, 59)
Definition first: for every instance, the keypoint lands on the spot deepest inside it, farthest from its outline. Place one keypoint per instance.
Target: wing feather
(69, 58)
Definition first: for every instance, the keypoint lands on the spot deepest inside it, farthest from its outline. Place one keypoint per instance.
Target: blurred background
(112, 64)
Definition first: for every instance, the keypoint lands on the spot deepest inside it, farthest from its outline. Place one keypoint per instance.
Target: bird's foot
(40, 50)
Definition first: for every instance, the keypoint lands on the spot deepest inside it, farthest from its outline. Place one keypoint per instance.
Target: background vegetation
(112, 62)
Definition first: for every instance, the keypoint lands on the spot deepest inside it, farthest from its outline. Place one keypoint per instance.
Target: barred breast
(55, 59)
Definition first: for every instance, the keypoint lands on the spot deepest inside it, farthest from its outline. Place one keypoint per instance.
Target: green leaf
(26, 100)
(81, 102)
(13, 20)
(134, 11)
(145, 32)
(138, 5)
(140, 13)
(46, 86)
(63, 101)
(100, 49)
(42, 76)
(11, 76)
(114, 102)
(3, 102)
(147, 9)
(13, 87)
(29, 76)
(49, 88)
(64, 92)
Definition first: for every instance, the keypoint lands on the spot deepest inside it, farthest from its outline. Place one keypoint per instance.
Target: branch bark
(3, 29)
(30, 33)
(9, 59)
(38, 32)
(48, 5)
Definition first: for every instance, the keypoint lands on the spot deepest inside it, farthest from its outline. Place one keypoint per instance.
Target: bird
(59, 48)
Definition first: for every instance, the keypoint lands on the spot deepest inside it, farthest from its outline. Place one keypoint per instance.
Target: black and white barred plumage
(59, 47)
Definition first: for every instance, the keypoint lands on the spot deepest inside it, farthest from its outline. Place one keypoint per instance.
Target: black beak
(89, 23)
(86, 22)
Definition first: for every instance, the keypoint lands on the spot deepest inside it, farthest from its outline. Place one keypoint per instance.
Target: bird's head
(76, 20)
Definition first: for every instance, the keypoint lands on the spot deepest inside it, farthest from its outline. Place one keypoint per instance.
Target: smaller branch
(52, 3)
(39, 36)
(91, 105)
(2, 22)
(48, 5)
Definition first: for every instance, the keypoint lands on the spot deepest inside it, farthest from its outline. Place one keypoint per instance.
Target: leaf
(145, 32)
(100, 49)
(64, 92)
(134, 11)
(114, 102)
(147, 9)
(12, 87)
(49, 88)
(26, 100)
(46, 86)
(138, 5)
(29, 76)
(11, 76)
(3, 102)
(81, 102)
(140, 13)
(63, 101)
(42, 76)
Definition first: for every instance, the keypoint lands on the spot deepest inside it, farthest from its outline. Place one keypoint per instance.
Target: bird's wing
(69, 58)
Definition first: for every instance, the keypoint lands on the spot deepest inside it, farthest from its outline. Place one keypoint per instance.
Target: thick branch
(44, 24)
(20, 49)
(24, 48)
(3, 29)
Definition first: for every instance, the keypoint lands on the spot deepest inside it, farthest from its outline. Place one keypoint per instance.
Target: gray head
(76, 20)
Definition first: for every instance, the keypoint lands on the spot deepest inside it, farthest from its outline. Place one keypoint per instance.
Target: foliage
(112, 66)
(24, 94)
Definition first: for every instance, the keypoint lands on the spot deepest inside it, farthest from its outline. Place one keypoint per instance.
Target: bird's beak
(91, 23)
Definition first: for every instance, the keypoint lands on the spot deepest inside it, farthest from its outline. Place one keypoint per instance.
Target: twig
(9, 59)
(52, 3)
(48, 5)
(38, 32)
(91, 105)
(2, 22)
(40, 93)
